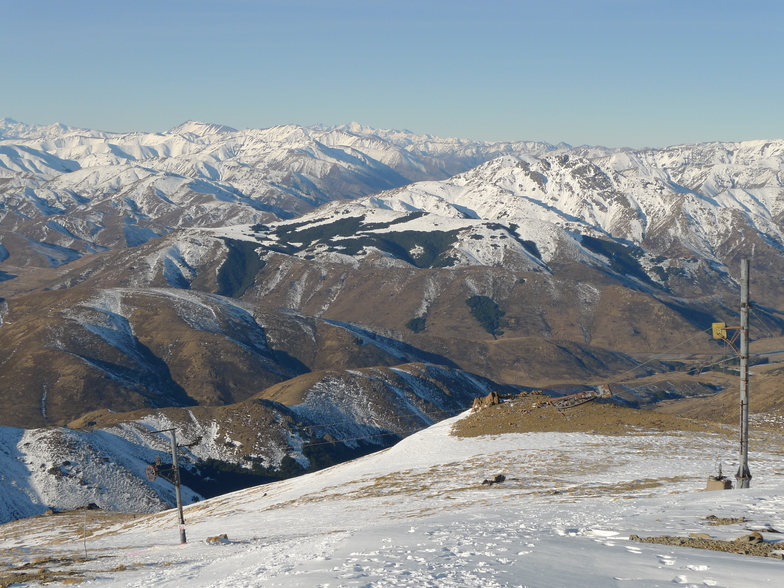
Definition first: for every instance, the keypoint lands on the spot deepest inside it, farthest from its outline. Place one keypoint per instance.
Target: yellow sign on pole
(719, 330)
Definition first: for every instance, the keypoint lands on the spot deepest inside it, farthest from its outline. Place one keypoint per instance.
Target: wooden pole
(743, 476)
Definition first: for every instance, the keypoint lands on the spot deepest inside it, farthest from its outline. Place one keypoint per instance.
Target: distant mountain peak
(200, 128)
(356, 127)
(11, 129)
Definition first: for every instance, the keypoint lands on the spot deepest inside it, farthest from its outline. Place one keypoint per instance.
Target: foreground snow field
(418, 515)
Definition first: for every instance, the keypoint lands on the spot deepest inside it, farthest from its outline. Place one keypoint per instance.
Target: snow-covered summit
(199, 128)
(11, 129)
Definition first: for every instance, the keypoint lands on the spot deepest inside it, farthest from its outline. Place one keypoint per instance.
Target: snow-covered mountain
(69, 192)
(712, 203)
(87, 190)
(692, 210)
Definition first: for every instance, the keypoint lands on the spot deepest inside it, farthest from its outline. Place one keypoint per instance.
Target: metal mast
(743, 476)
(176, 468)
(152, 473)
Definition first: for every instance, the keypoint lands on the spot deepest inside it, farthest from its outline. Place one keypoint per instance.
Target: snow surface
(418, 515)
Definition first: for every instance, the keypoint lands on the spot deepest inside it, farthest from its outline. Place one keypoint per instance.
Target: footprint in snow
(699, 568)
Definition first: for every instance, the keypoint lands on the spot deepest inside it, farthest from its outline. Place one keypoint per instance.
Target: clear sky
(602, 72)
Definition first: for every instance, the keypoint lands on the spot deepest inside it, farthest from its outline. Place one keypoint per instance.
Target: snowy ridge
(14, 130)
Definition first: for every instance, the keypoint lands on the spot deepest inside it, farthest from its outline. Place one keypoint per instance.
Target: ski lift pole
(177, 492)
(153, 470)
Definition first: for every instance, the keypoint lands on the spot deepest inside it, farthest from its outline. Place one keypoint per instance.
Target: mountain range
(69, 192)
(216, 272)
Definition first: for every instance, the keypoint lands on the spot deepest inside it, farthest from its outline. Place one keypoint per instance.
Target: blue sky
(604, 72)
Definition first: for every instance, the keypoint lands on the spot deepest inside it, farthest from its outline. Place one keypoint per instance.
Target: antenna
(743, 476)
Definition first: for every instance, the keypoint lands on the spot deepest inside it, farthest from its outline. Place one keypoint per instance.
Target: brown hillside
(604, 419)
(766, 393)
(553, 330)
(67, 352)
(765, 396)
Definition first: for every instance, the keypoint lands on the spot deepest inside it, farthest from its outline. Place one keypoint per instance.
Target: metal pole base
(183, 541)
(743, 478)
